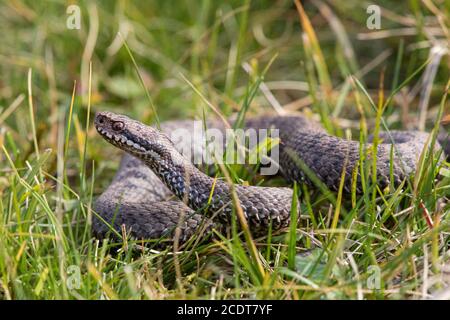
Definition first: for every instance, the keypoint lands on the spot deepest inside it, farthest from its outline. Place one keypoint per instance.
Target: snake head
(134, 137)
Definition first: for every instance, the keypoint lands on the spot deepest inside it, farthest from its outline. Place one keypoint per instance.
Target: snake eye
(118, 126)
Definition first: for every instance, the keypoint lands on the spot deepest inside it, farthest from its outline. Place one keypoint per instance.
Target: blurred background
(220, 47)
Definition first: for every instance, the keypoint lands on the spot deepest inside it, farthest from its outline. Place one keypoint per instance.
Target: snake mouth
(131, 136)
(121, 140)
(114, 129)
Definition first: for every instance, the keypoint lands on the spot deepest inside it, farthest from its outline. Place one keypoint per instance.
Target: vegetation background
(317, 58)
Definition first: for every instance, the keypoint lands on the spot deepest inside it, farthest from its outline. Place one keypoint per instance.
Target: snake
(158, 193)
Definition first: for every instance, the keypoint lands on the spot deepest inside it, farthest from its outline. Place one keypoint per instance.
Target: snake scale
(157, 190)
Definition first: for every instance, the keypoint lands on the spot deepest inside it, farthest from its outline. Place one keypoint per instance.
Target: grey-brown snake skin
(153, 171)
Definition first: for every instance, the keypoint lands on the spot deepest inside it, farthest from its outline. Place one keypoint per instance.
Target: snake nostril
(101, 119)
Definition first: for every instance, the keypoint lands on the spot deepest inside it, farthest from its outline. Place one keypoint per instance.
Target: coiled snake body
(152, 171)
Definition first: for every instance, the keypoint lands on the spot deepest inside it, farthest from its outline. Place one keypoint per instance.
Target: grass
(315, 57)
